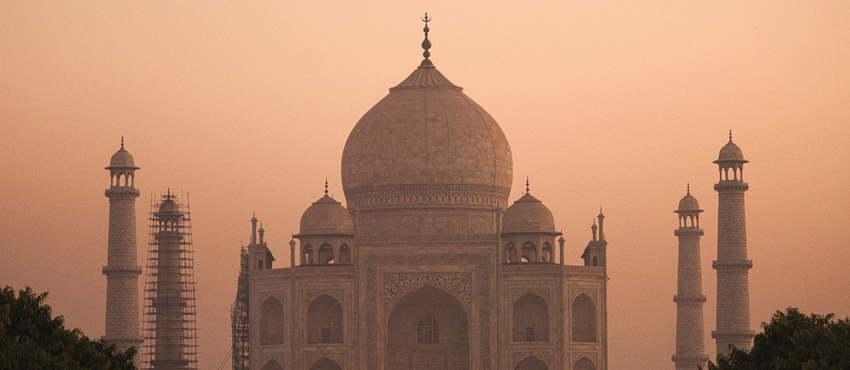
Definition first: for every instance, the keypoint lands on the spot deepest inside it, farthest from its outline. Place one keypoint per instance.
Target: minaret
(170, 289)
(690, 346)
(122, 270)
(732, 265)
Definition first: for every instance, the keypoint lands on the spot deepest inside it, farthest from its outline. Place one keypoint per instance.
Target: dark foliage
(794, 341)
(31, 339)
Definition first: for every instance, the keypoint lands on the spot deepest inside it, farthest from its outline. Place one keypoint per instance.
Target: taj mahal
(430, 265)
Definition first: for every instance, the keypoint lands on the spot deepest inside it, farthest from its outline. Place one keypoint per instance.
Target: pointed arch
(584, 364)
(531, 363)
(530, 319)
(510, 251)
(272, 365)
(326, 254)
(403, 348)
(271, 322)
(344, 255)
(546, 253)
(307, 254)
(324, 320)
(325, 363)
(529, 252)
(583, 319)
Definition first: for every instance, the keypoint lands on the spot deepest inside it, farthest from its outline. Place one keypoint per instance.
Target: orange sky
(247, 107)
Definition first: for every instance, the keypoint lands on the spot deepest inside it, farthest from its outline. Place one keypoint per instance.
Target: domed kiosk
(428, 282)
(327, 233)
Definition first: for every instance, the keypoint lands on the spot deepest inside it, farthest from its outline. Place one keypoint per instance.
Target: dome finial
(689, 188)
(426, 44)
(122, 141)
(526, 184)
(730, 135)
(326, 186)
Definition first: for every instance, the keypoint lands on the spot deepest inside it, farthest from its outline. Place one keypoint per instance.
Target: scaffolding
(169, 313)
(239, 317)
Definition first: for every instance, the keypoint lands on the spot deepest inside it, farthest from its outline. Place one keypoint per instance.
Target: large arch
(325, 364)
(531, 363)
(324, 320)
(272, 365)
(584, 364)
(271, 322)
(430, 309)
(531, 319)
(583, 319)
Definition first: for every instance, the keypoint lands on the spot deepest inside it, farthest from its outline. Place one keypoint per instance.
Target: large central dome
(426, 133)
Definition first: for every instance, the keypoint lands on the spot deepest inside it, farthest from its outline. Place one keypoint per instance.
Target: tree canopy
(794, 341)
(31, 339)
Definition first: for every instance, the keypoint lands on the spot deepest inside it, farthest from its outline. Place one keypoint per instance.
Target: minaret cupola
(688, 211)
(731, 162)
(122, 168)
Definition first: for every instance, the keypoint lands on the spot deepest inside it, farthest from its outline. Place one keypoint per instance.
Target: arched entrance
(531, 363)
(428, 329)
(325, 364)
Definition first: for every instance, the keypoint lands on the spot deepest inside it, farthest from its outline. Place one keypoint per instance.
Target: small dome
(169, 206)
(122, 159)
(326, 216)
(730, 152)
(688, 203)
(528, 214)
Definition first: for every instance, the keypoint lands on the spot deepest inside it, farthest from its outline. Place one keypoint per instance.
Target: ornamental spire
(526, 185)
(122, 141)
(326, 186)
(426, 44)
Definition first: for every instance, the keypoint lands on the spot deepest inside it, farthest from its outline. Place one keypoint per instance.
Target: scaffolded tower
(239, 317)
(169, 325)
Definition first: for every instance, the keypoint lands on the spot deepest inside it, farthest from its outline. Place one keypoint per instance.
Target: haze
(247, 105)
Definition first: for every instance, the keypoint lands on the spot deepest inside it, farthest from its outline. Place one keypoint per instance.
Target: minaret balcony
(122, 192)
(686, 232)
(743, 265)
(700, 299)
(122, 270)
(731, 186)
(744, 335)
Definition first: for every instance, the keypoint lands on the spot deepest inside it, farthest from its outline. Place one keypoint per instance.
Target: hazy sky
(247, 106)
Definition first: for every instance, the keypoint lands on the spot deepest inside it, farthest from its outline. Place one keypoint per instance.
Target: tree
(794, 341)
(31, 339)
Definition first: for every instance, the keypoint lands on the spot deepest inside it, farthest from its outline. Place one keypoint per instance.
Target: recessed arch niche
(530, 319)
(271, 322)
(324, 320)
(444, 313)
